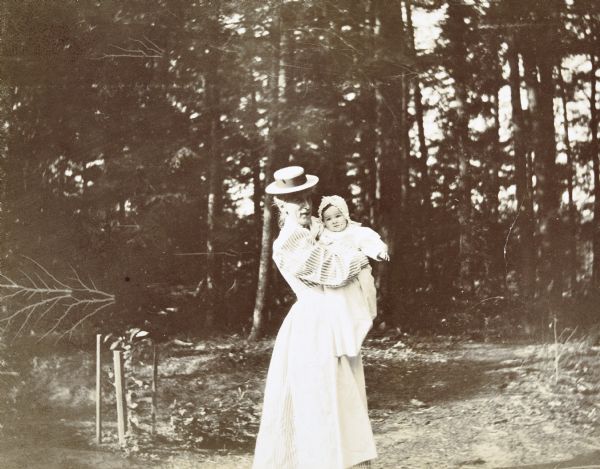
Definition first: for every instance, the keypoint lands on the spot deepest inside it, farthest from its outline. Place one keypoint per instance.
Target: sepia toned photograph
(299, 234)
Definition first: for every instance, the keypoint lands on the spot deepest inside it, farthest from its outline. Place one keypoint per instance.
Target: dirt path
(433, 405)
(483, 406)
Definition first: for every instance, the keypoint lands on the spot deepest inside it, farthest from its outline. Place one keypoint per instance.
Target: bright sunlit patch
(431, 160)
(96, 162)
(476, 197)
(261, 122)
(504, 113)
(427, 27)
(478, 124)
(561, 158)
(242, 197)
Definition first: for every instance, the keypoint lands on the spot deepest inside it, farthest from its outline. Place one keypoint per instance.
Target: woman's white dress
(315, 412)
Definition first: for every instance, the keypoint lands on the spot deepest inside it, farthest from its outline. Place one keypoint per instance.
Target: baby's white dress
(355, 318)
(315, 412)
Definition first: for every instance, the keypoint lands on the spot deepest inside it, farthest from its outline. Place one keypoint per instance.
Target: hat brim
(274, 189)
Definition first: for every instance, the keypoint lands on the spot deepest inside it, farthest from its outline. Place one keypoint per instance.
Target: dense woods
(137, 139)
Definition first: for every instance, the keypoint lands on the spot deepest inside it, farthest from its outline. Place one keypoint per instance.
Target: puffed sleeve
(370, 242)
(295, 252)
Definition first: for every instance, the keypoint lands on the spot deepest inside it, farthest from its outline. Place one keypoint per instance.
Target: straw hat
(291, 179)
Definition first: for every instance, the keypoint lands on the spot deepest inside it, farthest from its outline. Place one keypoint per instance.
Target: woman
(315, 407)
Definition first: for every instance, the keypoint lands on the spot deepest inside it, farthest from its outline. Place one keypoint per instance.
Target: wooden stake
(98, 388)
(119, 387)
(154, 385)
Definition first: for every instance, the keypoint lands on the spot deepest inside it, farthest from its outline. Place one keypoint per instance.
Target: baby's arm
(371, 245)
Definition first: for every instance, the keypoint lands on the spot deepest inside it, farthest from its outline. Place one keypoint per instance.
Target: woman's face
(299, 207)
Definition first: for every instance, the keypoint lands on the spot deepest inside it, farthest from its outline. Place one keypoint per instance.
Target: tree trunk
(459, 72)
(549, 194)
(372, 138)
(5, 113)
(404, 225)
(393, 173)
(425, 193)
(464, 193)
(256, 159)
(572, 236)
(5, 106)
(212, 213)
(524, 196)
(215, 183)
(424, 183)
(373, 151)
(593, 124)
(265, 248)
(495, 237)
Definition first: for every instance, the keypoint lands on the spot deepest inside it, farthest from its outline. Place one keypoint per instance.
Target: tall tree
(459, 16)
(266, 238)
(571, 209)
(424, 183)
(392, 107)
(548, 187)
(522, 178)
(593, 123)
(5, 105)
(215, 164)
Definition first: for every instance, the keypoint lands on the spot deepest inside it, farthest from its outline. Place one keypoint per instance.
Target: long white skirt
(315, 408)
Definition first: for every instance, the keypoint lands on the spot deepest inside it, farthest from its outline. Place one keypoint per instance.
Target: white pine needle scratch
(41, 295)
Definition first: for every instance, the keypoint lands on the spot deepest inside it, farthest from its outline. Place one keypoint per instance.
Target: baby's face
(334, 219)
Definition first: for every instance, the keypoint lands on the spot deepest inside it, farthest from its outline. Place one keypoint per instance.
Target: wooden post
(154, 385)
(119, 386)
(98, 388)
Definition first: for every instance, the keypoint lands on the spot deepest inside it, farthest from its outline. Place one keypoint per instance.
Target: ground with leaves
(435, 403)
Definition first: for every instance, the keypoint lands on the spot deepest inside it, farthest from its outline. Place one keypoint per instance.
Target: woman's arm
(296, 252)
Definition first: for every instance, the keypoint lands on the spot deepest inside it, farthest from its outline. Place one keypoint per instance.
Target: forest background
(137, 138)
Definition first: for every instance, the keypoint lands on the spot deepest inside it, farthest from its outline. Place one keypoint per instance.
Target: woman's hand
(316, 228)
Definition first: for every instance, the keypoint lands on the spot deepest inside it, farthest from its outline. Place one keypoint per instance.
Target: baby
(341, 233)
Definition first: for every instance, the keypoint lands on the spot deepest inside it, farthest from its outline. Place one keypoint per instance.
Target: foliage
(229, 422)
(135, 139)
